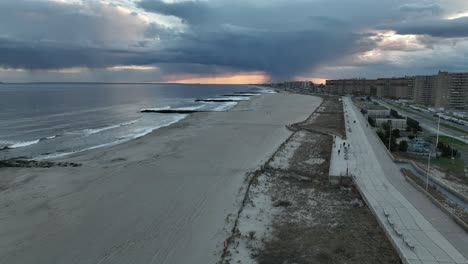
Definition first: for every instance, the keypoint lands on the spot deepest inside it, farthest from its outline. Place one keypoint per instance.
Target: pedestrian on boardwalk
(338, 152)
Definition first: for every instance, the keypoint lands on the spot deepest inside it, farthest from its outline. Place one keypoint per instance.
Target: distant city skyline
(229, 41)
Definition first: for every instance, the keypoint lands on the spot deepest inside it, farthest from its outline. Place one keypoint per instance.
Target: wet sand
(162, 198)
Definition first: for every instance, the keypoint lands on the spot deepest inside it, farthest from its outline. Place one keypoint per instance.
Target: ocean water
(43, 121)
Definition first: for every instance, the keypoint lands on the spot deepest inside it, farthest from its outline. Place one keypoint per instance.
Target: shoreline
(190, 118)
(64, 156)
(150, 199)
(51, 145)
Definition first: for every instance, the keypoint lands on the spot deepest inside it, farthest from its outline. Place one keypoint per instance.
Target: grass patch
(455, 166)
(368, 105)
(463, 131)
(376, 107)
(451, 141)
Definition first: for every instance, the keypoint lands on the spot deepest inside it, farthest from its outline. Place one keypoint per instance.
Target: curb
(436, 202)
(441, 184)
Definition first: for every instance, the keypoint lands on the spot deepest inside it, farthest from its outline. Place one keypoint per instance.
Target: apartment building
(351, 86)
(458, 91)
(424, 89)
(383, 87)
(444, 90)
(395, 87)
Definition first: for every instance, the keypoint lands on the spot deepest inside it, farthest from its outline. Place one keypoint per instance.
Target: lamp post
(390, 137)
(428, 168)
(437, 138)
(430, 154)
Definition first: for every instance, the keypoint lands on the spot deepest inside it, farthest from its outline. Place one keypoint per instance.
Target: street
(429, 122)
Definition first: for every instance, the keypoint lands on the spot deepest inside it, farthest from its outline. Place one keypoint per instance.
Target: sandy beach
(164, 198)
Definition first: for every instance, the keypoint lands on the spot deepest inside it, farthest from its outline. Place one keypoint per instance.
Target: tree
(371, 121)
(411, 136)
(381, 135)
(384, 136)
(413, 124)
(396, 133)
(403, 146)
(447, 150)
(386, 127)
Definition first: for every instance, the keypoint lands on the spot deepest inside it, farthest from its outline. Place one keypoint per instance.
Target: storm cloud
(450, 28)
(283, 39)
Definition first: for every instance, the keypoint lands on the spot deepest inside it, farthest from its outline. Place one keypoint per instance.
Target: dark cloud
(282, 38)
(40, 55)
(92, 23)
(46, 35)
(282, 54)
(422, 7)
(448, 28)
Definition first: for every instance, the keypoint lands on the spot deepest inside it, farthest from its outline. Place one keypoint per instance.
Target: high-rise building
(395, 87)
(423, 89)
(444, 90)
(458, 93)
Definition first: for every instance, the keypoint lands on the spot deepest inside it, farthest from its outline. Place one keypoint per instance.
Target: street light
(430, 154)
(437, 138)
(390, 137)
(428, 168)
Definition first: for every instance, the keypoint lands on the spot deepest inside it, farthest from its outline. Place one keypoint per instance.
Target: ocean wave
(243, 94)
(136, 134)
(169, 109)
(221, 107)
(23, 144)
(54, 156)
(48, 138)
(268, 91)
(97, 130)
(224, 99)
(205, 107)
(5, 145)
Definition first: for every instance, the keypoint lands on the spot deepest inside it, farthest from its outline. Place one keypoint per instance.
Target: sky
(226, 41)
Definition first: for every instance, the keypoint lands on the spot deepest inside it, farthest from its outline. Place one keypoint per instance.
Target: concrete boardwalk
(419, 230)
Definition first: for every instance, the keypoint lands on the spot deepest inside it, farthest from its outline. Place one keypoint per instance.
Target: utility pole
(390, 137)
(428, 168)
(437, 138)
(452, 153)
(430, 154)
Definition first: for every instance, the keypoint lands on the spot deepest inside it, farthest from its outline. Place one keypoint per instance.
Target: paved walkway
(340, 159)
(419, 230)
